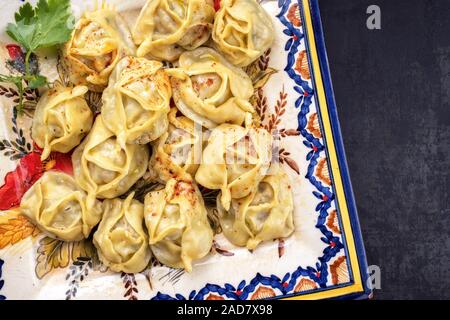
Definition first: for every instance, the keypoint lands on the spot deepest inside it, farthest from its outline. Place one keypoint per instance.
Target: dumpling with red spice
(99, 40)
(176, 219)
(178, 152)
(209, 90)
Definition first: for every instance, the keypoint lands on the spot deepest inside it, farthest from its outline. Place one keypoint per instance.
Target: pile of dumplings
(179, 127)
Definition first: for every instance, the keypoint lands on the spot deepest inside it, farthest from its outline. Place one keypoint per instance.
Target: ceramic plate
(324, 258)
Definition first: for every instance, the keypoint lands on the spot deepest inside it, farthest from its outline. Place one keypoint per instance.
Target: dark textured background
(392, 88)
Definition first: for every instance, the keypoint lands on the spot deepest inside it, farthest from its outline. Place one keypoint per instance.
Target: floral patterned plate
(324, 258)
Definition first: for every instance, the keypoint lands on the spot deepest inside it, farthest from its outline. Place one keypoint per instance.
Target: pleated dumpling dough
(104, 168)
(136, 101)
(178, 152)
(265, 214)
(165, 28)
(99, 40)
(234, 161)
(121, 242)
(209, 90)
(58, 207)
(242, 31)
(176, 219)
(61, 120)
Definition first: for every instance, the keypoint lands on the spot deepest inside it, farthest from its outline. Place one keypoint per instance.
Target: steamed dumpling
(58, 207)
(165, 28)
(178, 152)
(61, 120)
(234, 161)
(136, 101)
(242, 31)
(176, 219)
(104, 168)
(121, 242)
(99, 40)
(265, 214)
(209, 90)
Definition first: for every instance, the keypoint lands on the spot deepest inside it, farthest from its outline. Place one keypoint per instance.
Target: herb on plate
(44, 26)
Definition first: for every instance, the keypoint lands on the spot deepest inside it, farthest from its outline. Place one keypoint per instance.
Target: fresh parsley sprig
(48, 24)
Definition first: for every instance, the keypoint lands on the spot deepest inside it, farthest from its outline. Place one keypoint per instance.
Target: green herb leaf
(56, 21)
(36, 81)
(26, 12)
(50, 23)
(21, 33)
(16, 80)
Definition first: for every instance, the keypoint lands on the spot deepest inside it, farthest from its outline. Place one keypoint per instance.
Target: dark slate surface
(392, 88)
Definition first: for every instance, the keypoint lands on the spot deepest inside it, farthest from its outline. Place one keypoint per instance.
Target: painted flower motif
(305, 285)
(315, 147)
(15, 227)
(294, 15)
(16, 61)
(29, 169)
(339, 271)
(301, 65)
(325, 198)
(334, 245)
(319, 274)
(314, 126)
(263, 293)
(322, 171)
(52, 254)
(14, 51)
(333, 223)
(214, 297)
(17, 182)
(306, 94)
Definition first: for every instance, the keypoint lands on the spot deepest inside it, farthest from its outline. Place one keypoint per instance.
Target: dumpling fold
(58, 207)
(99, 40)
(121, 241)
(178, 152)
(235, 160)
(103, 167)
(209, 90)
(242, 31)
(136, 101)
(61, 120)
(165, 28)
(265, 214)
(177, 223)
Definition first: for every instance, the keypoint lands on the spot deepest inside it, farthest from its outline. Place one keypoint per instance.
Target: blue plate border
(340, 150)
